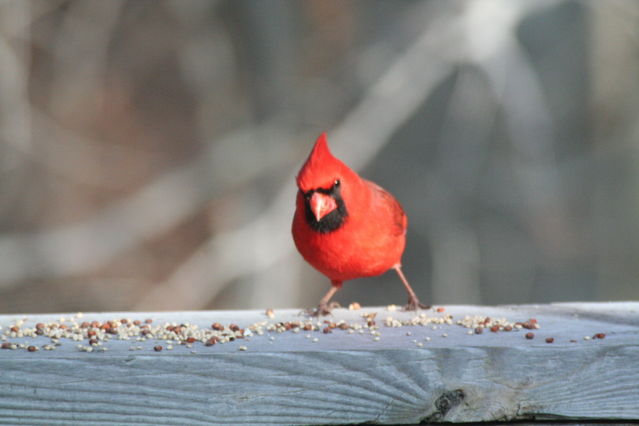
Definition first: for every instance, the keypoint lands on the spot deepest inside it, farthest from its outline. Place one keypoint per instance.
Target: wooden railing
(448, 364)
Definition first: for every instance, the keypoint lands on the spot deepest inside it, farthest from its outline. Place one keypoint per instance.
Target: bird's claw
(415, 304)
(325, 309)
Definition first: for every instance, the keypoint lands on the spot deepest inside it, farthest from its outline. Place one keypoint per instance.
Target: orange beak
(321, 205)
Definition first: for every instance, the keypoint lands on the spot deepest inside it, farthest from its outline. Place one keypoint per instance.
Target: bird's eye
(336, 183)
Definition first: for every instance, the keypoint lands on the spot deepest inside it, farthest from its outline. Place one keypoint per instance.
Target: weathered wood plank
(384, 375)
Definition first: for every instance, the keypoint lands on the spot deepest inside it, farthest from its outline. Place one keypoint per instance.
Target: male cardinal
(347, 227)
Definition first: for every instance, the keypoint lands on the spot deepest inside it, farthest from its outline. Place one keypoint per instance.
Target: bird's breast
(362, 246)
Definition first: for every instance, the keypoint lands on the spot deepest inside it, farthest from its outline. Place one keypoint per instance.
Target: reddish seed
(190, 340)
(6, 345)
(32, 348)
(441, 309)
(599, 336)
(96, 324)
(343, 326)
(85, 324)
(15, 328)
(533, 320)
(93, 341)
(370, 323)
(573, 341)
(145, 332)
(39, 332)
(211, 341)
(234, 327)
(91, 333)
(148, 321)
(550, 339)
(106, 326)
(157, 348)
(530, 335)
(308, 327)
(137, 322)
(479, 330)
(494, 328)
(217, 326)
(39, 326)
(326, 330)
(124, 321)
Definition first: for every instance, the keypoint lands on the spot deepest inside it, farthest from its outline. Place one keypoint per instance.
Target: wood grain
(341, 377)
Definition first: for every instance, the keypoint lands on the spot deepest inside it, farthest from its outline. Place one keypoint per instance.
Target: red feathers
(345, 226)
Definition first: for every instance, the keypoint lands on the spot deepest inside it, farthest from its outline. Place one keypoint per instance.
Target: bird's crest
(321, 168)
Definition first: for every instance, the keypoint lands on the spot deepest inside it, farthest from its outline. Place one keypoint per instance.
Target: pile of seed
(93, 336)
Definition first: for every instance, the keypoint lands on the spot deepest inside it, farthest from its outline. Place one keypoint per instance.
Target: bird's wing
(384, 200)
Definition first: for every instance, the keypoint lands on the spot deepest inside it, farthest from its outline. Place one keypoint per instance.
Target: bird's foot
(414, 304)
(325, 309)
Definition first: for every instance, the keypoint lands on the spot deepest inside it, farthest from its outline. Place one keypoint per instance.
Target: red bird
(347, 227)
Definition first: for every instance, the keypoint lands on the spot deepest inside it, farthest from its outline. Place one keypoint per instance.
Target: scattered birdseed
(270, 313)
(376, 338)
(242, 348)
(420, 344)
(440, 309)
(586, 337)
(530, 335)
(445, 335)
(354, 306)
(157, 348)
(550, 339)
(391, 308)
(315, 340)
(599, 336)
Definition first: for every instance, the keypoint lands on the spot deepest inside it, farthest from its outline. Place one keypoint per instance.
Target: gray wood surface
(382, 374)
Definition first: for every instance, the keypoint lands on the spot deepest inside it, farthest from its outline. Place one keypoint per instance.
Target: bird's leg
(413, 301)
(324, 307)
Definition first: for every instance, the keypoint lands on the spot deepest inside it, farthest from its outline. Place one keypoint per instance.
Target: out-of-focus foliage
(148, 148)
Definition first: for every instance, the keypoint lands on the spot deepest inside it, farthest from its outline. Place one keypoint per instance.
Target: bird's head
(323, 181)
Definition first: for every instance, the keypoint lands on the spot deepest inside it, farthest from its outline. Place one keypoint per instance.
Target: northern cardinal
(347, 227)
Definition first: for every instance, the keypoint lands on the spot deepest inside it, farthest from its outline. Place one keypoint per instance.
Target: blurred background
(148, 148)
